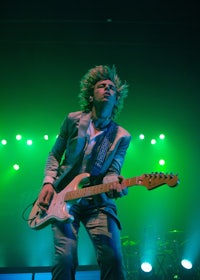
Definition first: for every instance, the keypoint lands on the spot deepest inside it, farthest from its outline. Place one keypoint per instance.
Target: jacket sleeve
(56, 154)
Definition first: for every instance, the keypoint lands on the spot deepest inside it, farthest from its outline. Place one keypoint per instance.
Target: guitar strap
(66, 177)
(101, 147)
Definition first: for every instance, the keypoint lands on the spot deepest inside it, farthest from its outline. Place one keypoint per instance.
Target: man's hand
(45, 197)
(117, 189)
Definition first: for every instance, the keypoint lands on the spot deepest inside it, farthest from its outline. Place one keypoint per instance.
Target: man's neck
(102, 115)
(100, 122)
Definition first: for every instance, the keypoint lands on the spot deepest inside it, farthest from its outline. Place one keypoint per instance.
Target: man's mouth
(106, 94)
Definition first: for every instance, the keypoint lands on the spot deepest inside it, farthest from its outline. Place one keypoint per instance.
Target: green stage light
(141, 136)
(3, 142)
(18, 137)
(16, 167)
(153, 141)
(146, 266)
(162, 162)
(46, 137)
(162, 136)
(29, 142)
(186, 264)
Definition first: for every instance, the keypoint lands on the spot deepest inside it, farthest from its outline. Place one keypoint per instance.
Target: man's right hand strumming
(45, 197)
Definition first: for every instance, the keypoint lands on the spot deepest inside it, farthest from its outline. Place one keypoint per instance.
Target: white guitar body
(58, 209)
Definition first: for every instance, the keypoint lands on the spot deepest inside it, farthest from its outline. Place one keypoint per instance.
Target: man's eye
(104, 85)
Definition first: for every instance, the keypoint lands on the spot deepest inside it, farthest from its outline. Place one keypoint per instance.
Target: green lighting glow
(186, 264)
(3, 142)
(46, 137)
(29, 142)
(16, 167)
(162, 162)
(162, 136)
(141, 136)
(18, 137)
(153, 141)
(146, 267)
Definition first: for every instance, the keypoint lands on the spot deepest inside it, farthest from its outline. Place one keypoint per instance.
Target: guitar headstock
(155, 180)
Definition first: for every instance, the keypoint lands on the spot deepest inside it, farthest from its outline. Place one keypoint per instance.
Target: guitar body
(58, 208)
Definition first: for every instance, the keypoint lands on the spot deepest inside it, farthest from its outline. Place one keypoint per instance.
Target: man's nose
(107, 87)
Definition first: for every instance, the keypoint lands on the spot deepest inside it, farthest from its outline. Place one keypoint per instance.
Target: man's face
(105, 92)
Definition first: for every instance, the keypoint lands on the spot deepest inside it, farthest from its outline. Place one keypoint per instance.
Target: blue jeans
(104, 232)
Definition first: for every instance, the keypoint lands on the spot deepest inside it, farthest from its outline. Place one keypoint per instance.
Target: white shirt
(92, 136)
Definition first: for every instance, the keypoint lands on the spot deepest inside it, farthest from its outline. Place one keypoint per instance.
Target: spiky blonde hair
(100, 73)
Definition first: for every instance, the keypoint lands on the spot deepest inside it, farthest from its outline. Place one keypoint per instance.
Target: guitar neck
(94, 190)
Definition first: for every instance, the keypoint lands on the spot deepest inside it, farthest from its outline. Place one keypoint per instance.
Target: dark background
(45, 49)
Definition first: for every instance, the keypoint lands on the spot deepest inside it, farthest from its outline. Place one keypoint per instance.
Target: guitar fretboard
(101, 188)
(150, 181)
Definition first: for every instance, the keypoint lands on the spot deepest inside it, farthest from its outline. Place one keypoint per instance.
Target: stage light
(18, 137)
(162, 162)
(186, 264)
(29, 142)
(3, 142)
(46, 137)
(162, 136)
(141, 136)
(16, 167)
(146, 266)
(153, 141)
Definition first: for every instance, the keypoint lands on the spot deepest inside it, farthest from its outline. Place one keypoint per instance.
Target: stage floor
(43, 273)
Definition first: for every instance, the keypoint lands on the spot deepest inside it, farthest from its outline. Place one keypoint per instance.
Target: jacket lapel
(83, 125)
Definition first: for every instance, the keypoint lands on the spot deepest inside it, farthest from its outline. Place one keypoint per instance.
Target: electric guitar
(62, 201)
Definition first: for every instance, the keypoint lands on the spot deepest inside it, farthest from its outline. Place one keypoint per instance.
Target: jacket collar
(84, 124)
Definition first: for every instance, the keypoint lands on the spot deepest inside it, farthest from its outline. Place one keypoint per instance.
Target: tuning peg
(155, 174)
